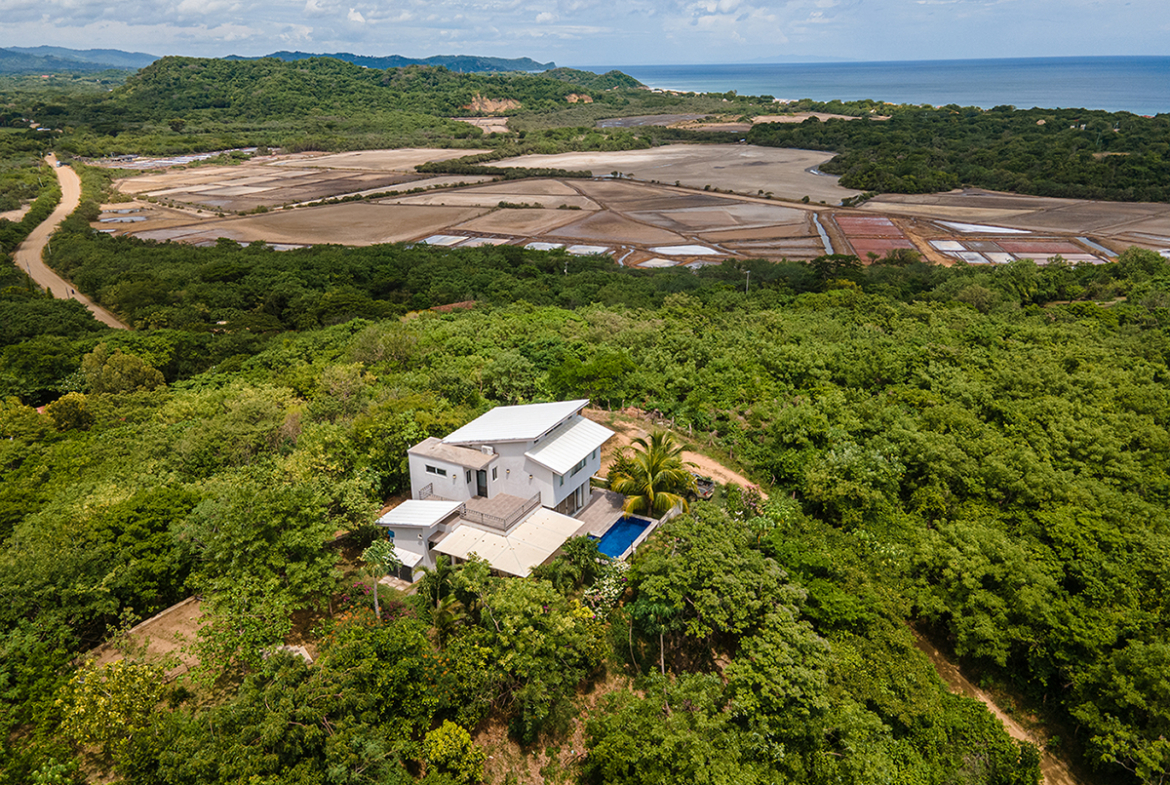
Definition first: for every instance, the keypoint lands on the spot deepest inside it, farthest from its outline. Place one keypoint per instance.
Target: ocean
(1133, 84)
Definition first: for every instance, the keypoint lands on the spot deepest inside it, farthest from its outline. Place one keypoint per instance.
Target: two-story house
(503, 486)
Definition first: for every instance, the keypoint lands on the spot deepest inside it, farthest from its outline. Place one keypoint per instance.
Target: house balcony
(500, 512)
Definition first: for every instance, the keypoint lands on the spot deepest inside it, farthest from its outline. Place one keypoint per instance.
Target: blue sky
(575, 32)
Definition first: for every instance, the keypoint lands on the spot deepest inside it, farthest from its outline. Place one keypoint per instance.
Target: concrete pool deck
(602, 512)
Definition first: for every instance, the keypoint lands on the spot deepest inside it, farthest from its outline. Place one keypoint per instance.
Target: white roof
(408, 558)
(413, 512)
(568, 444)
(516, 423)
(528, 545)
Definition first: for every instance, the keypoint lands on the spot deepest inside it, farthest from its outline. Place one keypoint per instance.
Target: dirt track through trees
(1053, 771)
(29, 254)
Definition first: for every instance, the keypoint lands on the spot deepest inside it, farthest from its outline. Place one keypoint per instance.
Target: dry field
(744, 169)
(1115, 224)
(634, 218)
(398, 160)
(249, 186)
(612, 227)
(521, 223)
(542, 193)
(355, 223)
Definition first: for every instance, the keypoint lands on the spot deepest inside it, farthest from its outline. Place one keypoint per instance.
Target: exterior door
(481, 483)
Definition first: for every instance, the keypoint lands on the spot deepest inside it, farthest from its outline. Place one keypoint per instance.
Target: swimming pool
(615, 542)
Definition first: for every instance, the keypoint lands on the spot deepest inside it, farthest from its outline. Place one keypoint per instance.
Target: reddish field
(867, 227)
(863, 246)
(1025, 247)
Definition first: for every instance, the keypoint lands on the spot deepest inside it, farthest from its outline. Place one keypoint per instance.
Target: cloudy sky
(601, 32)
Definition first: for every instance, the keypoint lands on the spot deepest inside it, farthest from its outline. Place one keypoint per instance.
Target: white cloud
(595, 31)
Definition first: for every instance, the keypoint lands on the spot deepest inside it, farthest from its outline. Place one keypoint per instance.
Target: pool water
(621, 535)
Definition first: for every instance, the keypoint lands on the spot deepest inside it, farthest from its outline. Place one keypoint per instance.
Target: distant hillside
(15, 62)
(268, 88)
(458, 63)
(592, 81)
(107, 58)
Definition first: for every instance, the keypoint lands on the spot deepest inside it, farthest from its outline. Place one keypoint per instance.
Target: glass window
(436, 470)
(495, 472)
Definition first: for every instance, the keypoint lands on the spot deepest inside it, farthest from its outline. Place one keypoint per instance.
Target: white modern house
(505, 486)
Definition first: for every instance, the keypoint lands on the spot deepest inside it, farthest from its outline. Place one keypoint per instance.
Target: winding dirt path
(29, 254)
(1053, 771)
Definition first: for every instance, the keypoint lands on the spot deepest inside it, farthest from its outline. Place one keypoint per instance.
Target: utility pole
(748, 283)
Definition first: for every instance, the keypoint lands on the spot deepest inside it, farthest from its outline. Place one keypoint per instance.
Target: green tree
(70, 412)
(382, 559)
(656, 477)
(109, 705)
(449, 749)
(118, 372)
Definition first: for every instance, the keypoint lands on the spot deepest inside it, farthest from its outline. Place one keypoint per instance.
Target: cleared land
(357, 223)
(745, 169)
(1116, 224)
(398, 160)
(631, 217)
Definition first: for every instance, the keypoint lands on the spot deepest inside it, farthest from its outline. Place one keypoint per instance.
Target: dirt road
(1053, 771)
(28, 254)
(627, 426)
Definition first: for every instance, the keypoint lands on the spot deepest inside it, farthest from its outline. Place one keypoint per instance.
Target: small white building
(478, 489)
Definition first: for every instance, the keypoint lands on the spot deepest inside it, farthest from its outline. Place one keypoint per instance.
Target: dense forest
(1075, 153)
(976, 454)
(981, 452)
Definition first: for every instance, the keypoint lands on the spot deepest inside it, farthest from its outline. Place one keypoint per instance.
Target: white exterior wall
(454, 486)
(516, 475)
(416, 539)
(514, 471)
(573, 482)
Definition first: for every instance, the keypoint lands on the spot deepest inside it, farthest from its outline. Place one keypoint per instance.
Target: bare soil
(558, 761)
(729, 214)
(477, 198)
(607, 225)
(519, 222)
(1053, 770)
(801, 232)
(15, 215)
(397, 160)
(490, 125)
(166, 637)
(356, 223)
(632, 423)
(1140, 223)
(492, 105)
(740, 168)
(528, 188)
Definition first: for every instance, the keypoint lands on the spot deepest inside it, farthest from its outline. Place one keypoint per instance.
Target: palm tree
(435, 584)
(655, 478)
(381, 559)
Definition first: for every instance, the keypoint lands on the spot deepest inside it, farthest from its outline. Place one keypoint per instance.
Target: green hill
(271, 88)
(606, 81)
(457, 63)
